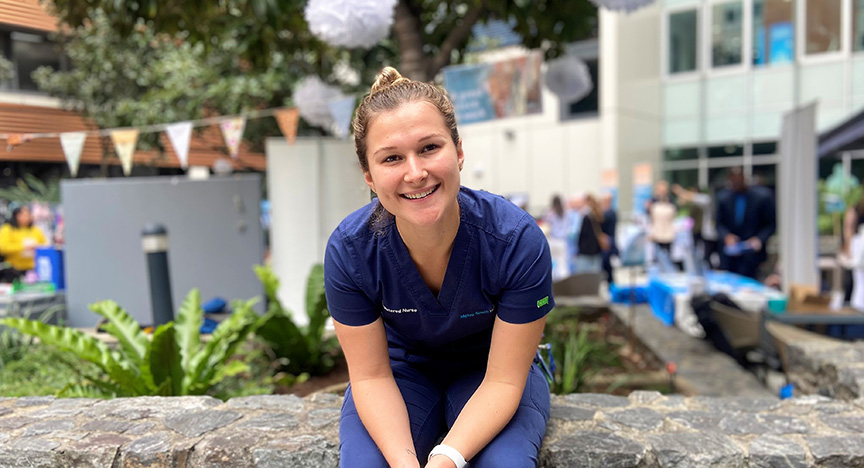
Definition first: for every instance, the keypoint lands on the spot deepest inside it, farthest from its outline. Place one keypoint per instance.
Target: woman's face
(24, 217)
(413, 164)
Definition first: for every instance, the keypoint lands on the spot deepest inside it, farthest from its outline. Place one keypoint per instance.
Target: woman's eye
(390, 159)
(430, 147)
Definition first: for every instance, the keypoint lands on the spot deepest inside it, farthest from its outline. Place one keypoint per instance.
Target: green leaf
(122, 326)
(85, 347)
(269, 280)
(164, 359)
(230, 369)
(224, 340)
(188, 327)
(84, 391)
(316, 306)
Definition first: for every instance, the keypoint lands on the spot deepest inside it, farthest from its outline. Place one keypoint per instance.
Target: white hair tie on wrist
(450, 453)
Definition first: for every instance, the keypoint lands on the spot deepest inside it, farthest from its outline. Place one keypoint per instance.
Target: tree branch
(456, 38)
(408, 31)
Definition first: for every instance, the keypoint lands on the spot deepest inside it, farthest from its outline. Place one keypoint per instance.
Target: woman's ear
(460, 155)
(368, 178)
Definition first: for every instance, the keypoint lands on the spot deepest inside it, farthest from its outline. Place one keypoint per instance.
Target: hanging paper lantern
(312, 99)
(627, 6)
(350, 23)
(569, 78)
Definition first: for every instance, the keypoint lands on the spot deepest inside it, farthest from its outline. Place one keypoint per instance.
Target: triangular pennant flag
(124, 145)
(180, 133)
(232, 130)
(73, 143)
(288, 120)
(341, 110)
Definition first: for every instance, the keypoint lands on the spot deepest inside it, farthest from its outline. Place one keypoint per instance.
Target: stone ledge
(832, 369)
(643, 430)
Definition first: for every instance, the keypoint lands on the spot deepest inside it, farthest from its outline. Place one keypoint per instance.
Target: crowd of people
(727, 229)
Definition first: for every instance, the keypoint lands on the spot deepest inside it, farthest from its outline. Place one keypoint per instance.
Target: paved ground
(702, 369)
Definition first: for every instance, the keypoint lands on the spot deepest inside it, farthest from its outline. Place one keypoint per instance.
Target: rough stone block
(696, 450)
(288, 403)
(593, 449)
(643, 419)
(195, 423)
(305, 451)
(836, 452)
(773, 451)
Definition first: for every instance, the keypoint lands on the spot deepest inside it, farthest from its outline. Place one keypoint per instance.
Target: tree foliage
(426, 36)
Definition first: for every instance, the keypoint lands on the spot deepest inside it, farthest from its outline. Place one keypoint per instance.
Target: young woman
(438, 294)
(19, 239)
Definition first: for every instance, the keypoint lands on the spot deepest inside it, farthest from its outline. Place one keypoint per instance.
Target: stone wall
(586, 430)
(831, 369)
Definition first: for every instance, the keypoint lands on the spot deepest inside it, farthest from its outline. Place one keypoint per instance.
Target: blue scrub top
(499, 266)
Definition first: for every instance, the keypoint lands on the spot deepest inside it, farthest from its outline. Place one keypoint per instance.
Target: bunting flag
(342, 110)
(180, 134)
(15, 139)
(288, 120)
(232, 130)
(124, 145)
(73, 144)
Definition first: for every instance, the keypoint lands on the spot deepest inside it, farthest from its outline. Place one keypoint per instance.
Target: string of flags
(180, 133)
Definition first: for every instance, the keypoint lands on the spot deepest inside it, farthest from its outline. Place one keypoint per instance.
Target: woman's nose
(415, 170)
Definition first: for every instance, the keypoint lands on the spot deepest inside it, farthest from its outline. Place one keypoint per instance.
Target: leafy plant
(7, 69)
(578, 355)
(32, 189)
(13, 344)
(173, 362)
(302, 350)
(42, 370)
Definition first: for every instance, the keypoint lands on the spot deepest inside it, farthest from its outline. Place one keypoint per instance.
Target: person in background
(590, 256)
(745, 222)
(576, 203)
(852, 221)
(661, 214)
(704, 229)
(19, 239)
(608, 227)
(555, 221)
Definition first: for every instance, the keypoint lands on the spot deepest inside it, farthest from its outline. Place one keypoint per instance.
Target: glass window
(682, 41)
(680, 154)
(823, 19)
(765, 176)
(6, 53)
(717, 177)
(687, 178)
(765, 148)
(725, 151)
(726, 34)
(773, 31)
(32, 51)
(857, 25)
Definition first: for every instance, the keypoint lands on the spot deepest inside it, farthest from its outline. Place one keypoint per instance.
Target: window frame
(801, 35)
(746, 39)
(795, 43)
(667, 75)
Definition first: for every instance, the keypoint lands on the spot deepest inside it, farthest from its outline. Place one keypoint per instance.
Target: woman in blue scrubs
(439, 295)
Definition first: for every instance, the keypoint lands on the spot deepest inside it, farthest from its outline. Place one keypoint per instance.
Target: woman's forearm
(382, 410)
(484, 416)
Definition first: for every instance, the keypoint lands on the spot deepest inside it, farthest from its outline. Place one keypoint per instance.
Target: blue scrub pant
(432, 410)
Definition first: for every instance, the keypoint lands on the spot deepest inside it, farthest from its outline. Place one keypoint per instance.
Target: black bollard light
(154, 240)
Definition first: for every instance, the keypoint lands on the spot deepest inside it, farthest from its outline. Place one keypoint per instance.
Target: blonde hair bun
(389, 76)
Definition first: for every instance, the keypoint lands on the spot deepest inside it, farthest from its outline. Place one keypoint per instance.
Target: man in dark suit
(745, 221)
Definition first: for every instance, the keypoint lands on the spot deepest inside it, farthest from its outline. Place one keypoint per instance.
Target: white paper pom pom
(312, 97)
(569, 78)
(350, 23)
